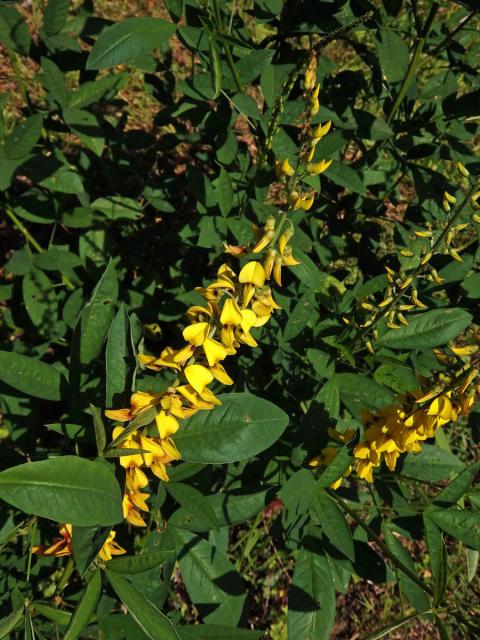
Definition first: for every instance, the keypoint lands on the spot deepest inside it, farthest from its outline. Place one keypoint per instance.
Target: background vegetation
(138, 137)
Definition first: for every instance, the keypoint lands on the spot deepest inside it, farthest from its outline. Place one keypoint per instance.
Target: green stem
(23, 230)
(18, 78)
(285, 92)
(30, 553)
(420, 268)
(412, 67)
(67, 572)
(226, 47)
(29, 238)
(453, 33)
(371, 533)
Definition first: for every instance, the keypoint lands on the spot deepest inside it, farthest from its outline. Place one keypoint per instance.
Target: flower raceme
(401, 427)
(62, 546)
(235, 304)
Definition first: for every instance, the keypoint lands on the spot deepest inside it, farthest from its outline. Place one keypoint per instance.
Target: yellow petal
(230, 313)
(252, 273)
(196, 333)
(119, 415)
(215, 351)
(220, 374)
(198, 377)
(167, 424)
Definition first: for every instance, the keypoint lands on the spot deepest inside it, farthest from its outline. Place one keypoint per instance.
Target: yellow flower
(214, 351)
(196, 333)
(130, 460)
(111, 548)
(231, 314)
(134, 500)
(284, 168)
(304, 202)
(252, 273)
(139, 402)
(167, 424)
(161, 453)
(320, 131)
(318, 167)
(198, 377)
(62, 546)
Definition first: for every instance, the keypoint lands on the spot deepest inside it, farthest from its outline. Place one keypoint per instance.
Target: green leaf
(229, 508)
(398, 624)
(336, 468)
(124, 41)
(210, 579)
(251, 66)
(195, 503)
(87, 128)
(458, 486)
(311, 598)
(56, 15)
(459, 523)
(333, 522)
(10, 622)
(30, 376)
(472, 556)
(427, 330)
(150, 619)
(54, 82)
(300, 316)
(431, 464)
(86, 543)
(52, 613)
(346, 177)
(14, 33)
(224, 192)
(40, 300)
(142, 562)
(438, 558)
(24, 137)
(96, 317)
(358, 392)
(86, 607)
(413, 592)
(118, 208)
(64, 489)
(393, 55)
(240, 428)
(119, 360)
(217, 632)
(90, 92)
(100, 436)
(215, 69)
(175, 9)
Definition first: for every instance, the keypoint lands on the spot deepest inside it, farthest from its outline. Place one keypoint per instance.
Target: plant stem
(371, 533)
(226, 47)
(18, 224)
(383, 312)
(285, 92)
(23, 230)
(463, 22)
(67, 572)
(412, 67)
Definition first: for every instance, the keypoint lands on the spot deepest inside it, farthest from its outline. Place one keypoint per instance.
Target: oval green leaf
(124, 41)
(64, 489)
(86, 607)
(428, 330)
(30, 376)
(150, 619)
(240, 428)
